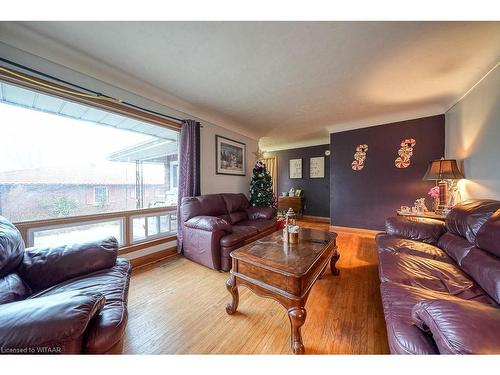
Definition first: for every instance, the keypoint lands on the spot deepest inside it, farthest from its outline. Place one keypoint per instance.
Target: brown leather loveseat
(67, 299)
(440, 283)
(216, 224)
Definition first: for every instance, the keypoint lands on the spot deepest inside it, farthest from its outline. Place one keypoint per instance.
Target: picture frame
(298, 192)
(230, 156)
(317, 167)
(295, 168)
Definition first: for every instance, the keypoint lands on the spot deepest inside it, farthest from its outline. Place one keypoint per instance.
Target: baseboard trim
(358, 231)
(153, 258)
(317, 219)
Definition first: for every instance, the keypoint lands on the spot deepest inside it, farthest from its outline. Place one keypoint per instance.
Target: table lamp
(441, 170)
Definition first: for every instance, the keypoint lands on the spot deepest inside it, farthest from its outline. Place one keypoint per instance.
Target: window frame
(31, 231)
(102, 102)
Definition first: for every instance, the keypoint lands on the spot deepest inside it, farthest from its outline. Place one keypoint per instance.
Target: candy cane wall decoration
(359, 157)
(405, 153)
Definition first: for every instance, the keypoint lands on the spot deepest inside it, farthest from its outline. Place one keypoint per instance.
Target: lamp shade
(443, 169)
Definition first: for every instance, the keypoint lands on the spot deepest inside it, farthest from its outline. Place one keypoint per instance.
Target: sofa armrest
(415, 228)
(42, 268)
(49, 321)
(208, 223)
(460, 326)
(255, 213)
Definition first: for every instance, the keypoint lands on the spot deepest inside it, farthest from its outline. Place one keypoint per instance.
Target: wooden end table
(295, 203)
(284, 272)
(427, 214)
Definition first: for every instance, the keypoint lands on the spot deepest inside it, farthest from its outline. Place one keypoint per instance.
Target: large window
(61, 159)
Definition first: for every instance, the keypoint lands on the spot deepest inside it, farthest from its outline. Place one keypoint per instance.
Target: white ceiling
(291, 83)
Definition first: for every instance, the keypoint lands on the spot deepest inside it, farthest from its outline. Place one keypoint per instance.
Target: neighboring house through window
(101, 195)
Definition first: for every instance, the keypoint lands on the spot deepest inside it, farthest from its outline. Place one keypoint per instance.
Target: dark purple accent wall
(316, 190)
(364, 199)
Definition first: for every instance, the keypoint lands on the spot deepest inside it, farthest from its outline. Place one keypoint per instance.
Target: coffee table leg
(333, 262)
(297, 316)
(233, 289)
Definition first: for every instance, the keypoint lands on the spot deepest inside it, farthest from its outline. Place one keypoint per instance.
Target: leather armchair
(66, 299)
(216, 224)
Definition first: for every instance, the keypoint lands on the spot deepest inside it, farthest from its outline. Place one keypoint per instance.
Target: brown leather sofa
(67, 299)
(440, 283)
(216, 224)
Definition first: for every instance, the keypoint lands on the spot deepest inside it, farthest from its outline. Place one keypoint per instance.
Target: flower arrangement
(434, 192)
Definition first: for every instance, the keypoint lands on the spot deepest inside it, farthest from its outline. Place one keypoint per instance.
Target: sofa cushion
(484, 268)
(44, 267)
(415, 228)
(239, 235)
(403, 336)
(386, 242)
(58, 322)
(427, 274)
(204, 205)
(455, 246)
(208, 224)
(255, 213)
(11, 247)
(12, 288)
(238, 216)
(235, 202)
(460, 327)
(108, 327)
(261, 225)
(488, 237)
(467, 217)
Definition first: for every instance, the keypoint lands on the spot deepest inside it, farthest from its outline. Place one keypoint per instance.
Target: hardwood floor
(177, 306)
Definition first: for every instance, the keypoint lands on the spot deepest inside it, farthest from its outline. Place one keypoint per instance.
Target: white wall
(210, 181)
(214, 183)
(473, 138)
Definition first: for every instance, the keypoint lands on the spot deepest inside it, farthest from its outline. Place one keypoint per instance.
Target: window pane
(101, 195)
(59, 159)
(152, 225)
(164, 224)
(78, 233)
(173, 223)
(138, 228)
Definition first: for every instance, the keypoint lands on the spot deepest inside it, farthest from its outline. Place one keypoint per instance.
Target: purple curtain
(189, 169)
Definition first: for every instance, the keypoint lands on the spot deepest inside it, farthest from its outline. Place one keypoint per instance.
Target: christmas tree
(261, 186)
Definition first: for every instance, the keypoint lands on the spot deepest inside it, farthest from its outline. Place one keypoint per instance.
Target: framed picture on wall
(295, 168)
(317, 167)
(230, 156)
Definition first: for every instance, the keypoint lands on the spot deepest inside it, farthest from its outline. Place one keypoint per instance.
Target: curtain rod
(85, 89)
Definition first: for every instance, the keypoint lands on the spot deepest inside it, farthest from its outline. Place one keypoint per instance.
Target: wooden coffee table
(284, 272)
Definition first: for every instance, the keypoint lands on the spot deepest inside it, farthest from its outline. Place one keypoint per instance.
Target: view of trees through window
(60, 158)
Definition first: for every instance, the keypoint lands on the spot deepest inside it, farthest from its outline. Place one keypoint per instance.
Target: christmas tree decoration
(261, 187)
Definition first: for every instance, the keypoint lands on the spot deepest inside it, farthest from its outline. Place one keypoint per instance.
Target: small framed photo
(298, 192)
(295, 168)
(230, 156)
(317, 167)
